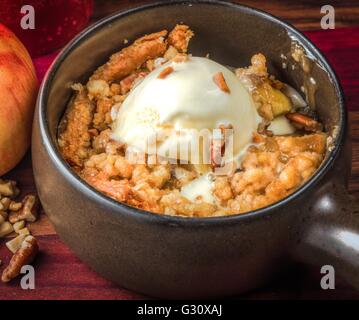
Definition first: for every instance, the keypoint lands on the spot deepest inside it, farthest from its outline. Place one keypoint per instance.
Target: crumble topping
(272, 167)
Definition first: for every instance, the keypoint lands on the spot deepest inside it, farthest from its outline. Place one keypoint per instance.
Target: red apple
(18, 89)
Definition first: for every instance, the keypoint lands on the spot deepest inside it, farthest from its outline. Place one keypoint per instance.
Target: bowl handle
(330, 236)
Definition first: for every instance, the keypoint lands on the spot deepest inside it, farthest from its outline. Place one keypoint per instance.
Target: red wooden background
(60, 275)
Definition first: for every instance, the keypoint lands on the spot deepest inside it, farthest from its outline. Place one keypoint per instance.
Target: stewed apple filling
(171, 133)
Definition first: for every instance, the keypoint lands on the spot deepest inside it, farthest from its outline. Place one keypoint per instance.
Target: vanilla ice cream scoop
(186, 98)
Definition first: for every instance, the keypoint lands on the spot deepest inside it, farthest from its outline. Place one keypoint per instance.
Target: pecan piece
(23, 256)
(302, 121)
(29, 210)
(165, 72)
(263, 129)
(219, 80)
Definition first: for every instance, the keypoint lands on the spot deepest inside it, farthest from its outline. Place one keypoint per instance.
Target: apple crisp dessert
(153, 88)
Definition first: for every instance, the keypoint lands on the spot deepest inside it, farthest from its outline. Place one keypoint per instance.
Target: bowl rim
(137, 213)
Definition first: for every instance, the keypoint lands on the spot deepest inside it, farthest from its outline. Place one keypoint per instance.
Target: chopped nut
(14, 244)
(304, 122)
(24, 255)
(5, 229)
(165, 72)
(28, 211)
(24, 231)
(257, 138)
(5, 203)
(7, 188)
(19, 225)
(263, 129)
(2, 220)
(219, 80)
(15, 206)
(268, 133)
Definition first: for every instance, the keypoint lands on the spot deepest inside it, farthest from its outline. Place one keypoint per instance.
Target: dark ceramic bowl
(175, 257)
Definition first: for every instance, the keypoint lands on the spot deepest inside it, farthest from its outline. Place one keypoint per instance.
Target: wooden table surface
(60, 275)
